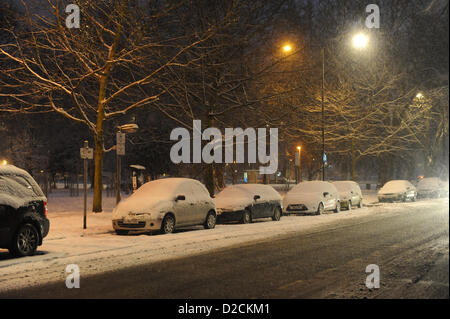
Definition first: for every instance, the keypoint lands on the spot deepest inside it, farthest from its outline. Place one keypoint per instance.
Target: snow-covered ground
(99, 249)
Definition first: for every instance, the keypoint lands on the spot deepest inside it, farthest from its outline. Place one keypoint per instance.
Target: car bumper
(298, 209)
(45, 227)
(136, 225)
(229, 216)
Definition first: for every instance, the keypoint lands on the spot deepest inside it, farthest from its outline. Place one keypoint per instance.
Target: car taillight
(45, 209)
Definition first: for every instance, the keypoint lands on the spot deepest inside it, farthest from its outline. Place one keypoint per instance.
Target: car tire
(338, 207)
(319, 209)
(246, 217)
(121, 232)
(277, 214)
(25, 241)
(210, 221)
(168, 224)
(349, 205)
(360, 205)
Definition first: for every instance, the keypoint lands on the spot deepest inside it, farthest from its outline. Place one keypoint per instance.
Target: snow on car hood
(137, 206)
(395, 187)
(228, 204)
(18, 188)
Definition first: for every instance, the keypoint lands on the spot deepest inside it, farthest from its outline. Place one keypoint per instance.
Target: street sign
(120, 143)
(86, 153)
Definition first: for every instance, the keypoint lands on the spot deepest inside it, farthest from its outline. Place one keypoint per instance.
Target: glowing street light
(4, 162)
(419, 96)
(287, 48)
(360, 41)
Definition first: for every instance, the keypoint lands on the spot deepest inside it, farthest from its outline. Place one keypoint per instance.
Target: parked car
(165, 204)
(397, 190)
(247, 202)
(23, 212)
(349, 194)
(312, 197)
(431, 187)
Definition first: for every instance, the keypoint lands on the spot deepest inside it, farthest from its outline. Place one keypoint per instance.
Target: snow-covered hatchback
(247, 202)
(349, 193)
(397, 190)
(23, 212)
(164, 204)
(312, 197)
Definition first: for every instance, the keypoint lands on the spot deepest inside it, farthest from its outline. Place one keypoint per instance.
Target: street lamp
(360, 41)
(287, 48)
(120, 151)
(419, 96)
(299, 163)
(4, 162)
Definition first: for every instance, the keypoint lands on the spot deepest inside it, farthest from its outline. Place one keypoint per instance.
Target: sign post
(86, 154)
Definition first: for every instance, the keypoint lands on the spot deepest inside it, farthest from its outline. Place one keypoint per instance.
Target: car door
(201, 203)
(183, 208)
(327, 199)
(5, 222)
(332, 197)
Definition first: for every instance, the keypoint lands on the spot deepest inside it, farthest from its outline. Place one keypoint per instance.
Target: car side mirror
(325, 194)
(256, 197)
(180, 197)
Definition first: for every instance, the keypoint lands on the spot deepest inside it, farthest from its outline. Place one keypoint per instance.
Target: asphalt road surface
(410, 248)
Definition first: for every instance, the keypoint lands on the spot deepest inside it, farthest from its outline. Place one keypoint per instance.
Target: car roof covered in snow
(395, 186)
(313, 187)
(343, 186)
(265, 191)
(166, 187)
(429, 183)
(17, 187)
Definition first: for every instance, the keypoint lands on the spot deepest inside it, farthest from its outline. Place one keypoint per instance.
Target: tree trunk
(354, 159)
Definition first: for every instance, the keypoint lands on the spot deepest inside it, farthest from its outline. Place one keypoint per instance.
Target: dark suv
(23, 212)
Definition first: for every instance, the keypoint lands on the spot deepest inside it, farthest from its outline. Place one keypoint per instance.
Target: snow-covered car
(247, 202)
(23, 212)
(430, 187)
(397, 190)
(313, 197)
(164, 205)
(349, 193)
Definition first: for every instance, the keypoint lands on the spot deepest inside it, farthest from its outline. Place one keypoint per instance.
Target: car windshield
(309, 187)
(233, 191)
(431, 182)
(343, 186)
(395, 186)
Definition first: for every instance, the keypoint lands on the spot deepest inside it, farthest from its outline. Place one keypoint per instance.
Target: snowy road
(310, 256)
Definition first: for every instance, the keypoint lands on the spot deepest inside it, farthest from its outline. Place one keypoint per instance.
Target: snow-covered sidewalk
(99, 249)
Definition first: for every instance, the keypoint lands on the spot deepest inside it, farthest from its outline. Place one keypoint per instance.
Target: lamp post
(359, 41)
(120, 151)
(299, 164)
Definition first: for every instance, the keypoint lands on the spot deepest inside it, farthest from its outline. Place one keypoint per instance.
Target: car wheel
(360, 205)
(319, 209)
(210, 221)
(349, 205)
(277, 214)
(338, 207)
(246, 217)
(121, 232)
(168, 224)
(413, 199)
(25, 241)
